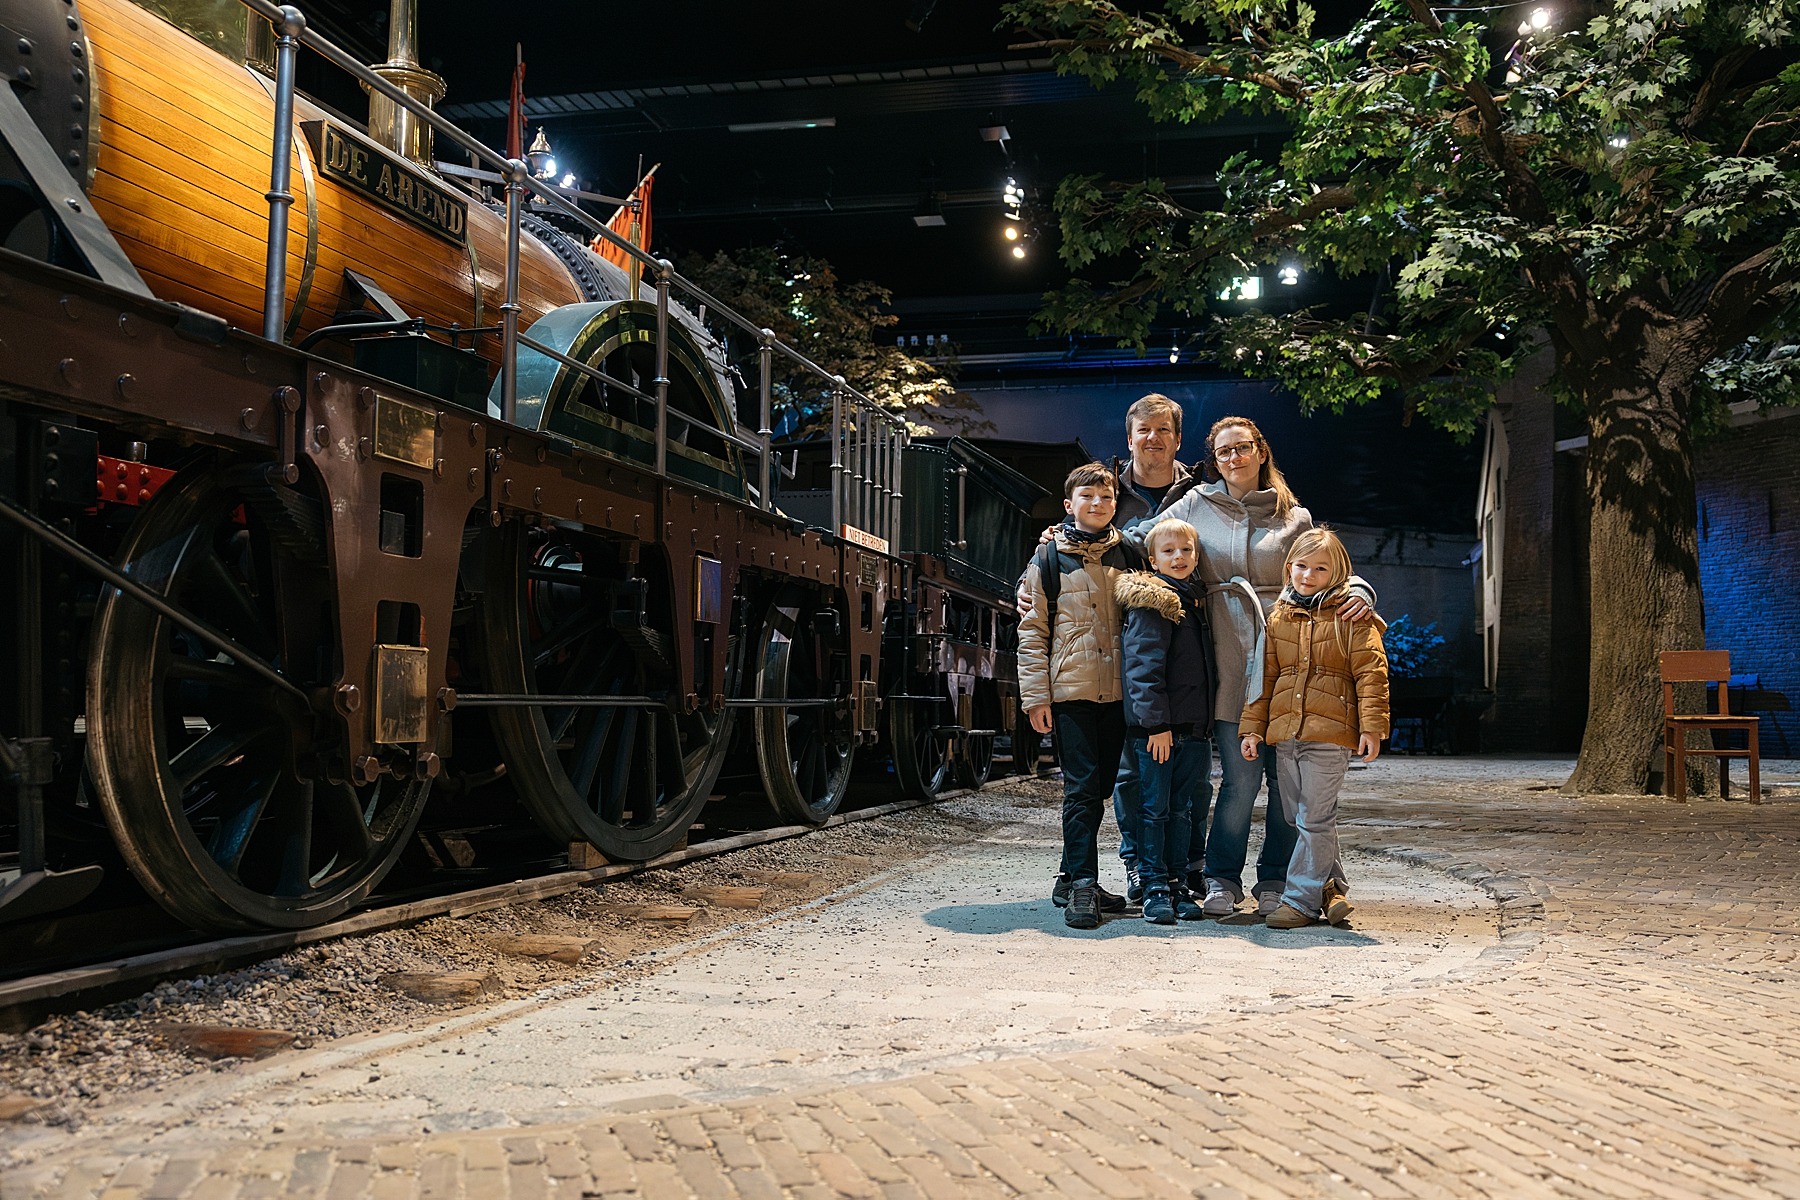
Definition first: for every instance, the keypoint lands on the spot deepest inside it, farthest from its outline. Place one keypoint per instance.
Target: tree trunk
(1644, 568)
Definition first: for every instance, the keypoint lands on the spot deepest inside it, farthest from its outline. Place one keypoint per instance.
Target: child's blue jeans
(1170, 792)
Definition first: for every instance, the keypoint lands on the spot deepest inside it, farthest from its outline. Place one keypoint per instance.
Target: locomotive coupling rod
(69, 548)
(529, 700)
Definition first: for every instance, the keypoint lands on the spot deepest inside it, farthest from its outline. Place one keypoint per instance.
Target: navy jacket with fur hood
(1169, 675)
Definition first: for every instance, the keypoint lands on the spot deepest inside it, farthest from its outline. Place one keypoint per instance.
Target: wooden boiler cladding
(183, 171)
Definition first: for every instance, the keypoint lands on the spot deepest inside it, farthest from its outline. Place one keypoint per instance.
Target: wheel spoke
(294, 826)
(233, 835)
(593, 744)
(616, 789)
(216, 746)
(223, 597)
(547, 649)
(342, 810)
(213, 675)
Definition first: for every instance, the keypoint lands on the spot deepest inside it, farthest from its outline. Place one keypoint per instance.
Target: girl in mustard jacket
(1324, 694)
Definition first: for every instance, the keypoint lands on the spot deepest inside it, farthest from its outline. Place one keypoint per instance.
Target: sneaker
(1109, 903)
(1083, 911)
(1134, 884)
(1185, 908)
(1267, 903)
(1337, 905)
(1219, 902)
(1286, 916)
(1059, 893)
(1159, 909)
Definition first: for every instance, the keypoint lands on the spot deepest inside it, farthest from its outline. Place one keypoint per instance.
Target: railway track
(26, 1000)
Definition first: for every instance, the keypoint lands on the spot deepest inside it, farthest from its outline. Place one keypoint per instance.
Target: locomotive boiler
(473, 512)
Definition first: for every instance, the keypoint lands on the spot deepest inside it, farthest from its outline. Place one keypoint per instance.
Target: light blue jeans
(1221, 853)
(1312, 775)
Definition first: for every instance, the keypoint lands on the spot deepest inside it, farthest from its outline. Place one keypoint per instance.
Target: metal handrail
(869, 495)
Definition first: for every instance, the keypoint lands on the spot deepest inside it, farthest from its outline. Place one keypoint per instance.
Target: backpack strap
(1049, 565)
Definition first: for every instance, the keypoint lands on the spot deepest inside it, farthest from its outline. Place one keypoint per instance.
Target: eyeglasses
(1235, 450)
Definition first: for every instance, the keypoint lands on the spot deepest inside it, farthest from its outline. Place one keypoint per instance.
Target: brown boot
(1286, 916)
(1337, 905)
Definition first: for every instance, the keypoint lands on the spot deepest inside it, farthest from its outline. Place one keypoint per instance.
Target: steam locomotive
(473, 521)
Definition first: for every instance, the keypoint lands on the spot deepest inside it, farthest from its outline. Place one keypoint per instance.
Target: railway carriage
(471, 517)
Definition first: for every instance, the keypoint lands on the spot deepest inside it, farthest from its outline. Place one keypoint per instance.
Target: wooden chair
(1702, 666)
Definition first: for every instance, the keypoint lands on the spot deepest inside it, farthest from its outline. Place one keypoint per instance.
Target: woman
(1246, 520)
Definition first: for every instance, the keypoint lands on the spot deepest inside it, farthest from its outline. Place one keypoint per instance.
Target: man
(1149, 482)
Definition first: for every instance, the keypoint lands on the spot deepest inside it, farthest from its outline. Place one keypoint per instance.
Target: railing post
(664, 268)
(516, 173)
(837, 453)
(765, 355)
(899, 482)
(287, 48)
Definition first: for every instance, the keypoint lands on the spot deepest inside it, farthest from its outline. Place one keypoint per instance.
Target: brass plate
(867, 706)
(405, 432)
(402, 674)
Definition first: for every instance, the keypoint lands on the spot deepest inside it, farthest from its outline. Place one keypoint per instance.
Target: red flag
(515, 124)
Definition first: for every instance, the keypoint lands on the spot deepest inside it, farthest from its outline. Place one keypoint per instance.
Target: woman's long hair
(1269, 478)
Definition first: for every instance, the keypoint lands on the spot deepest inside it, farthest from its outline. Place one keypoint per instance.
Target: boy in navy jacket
(1169, 686)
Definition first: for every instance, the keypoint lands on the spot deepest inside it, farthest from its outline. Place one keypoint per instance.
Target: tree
(837, 325)
(1628, 186)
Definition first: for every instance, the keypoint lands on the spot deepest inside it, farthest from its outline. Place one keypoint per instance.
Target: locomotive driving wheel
(921, 755)
(562, 617)
(206, 772)
(804, 749)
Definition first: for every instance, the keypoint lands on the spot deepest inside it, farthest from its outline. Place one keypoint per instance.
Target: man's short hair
(1094, 474)
(1149, 408)
(1171, 527)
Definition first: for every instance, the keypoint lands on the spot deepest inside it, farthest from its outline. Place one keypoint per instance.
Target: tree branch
(1746, 295)
(1713, 88)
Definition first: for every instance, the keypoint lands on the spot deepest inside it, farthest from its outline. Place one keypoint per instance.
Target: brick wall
(1749, 494)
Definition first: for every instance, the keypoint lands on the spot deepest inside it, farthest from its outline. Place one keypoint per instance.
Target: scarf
(1314, 602)
(1190, 589)
(1075, 535)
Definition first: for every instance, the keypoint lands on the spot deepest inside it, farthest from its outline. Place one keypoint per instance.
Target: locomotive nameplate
(388, 180)
(405, 432)
(863, 538)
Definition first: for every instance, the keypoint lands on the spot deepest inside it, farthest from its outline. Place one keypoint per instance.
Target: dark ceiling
(898, 117)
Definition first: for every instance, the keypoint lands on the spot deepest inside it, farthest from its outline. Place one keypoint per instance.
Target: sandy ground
(927, 940)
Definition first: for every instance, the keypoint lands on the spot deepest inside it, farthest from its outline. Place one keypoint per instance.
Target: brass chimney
(394, 127)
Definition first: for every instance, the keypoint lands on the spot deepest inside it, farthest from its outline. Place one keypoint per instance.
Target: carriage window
(221, 25)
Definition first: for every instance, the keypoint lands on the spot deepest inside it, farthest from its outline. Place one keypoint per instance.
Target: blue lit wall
(1749, 494)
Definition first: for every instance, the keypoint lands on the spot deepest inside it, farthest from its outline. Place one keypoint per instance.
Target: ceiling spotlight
(1174, 354)
(1012, 233)
(773, 126)
(1541, 18)
(1289, 275)
(1018, 251)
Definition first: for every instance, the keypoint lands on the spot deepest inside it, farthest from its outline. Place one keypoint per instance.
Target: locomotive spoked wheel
(805, 749)
(975, 762)
(628, 780)
(921, 756)
(196, 760)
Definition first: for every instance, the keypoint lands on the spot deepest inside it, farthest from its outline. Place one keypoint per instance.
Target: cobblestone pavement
(1629, 1034)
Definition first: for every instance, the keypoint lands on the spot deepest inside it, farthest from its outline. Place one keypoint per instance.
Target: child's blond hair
(1170, 527)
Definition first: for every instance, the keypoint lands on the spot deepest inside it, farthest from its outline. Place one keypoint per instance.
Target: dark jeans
(1089, 739)
(1174, 796)
(1128, 800)
(1224, 852)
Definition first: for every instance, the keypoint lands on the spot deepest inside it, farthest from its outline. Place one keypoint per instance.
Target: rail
(867, 440)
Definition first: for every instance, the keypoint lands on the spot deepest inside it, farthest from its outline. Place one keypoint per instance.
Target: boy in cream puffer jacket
(1070, 679)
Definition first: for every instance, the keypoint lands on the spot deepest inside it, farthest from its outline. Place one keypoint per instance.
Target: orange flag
(632, 224)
